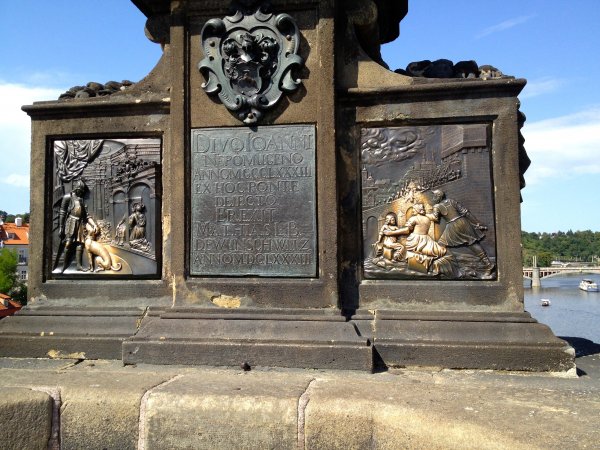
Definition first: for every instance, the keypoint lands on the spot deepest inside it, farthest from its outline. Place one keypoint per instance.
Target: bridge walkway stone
(102, 404)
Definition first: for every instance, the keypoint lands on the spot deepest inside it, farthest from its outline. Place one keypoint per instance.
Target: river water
(573, 312)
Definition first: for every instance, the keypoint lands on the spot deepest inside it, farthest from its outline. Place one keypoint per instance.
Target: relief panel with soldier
(105, 207)
(427, 203)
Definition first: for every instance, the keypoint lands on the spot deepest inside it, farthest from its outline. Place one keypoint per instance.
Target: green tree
(581, 246)
(8, 270)
(19, 293)
(10, 218)
(545, 259)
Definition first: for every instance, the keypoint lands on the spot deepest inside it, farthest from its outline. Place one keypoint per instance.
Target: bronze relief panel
(106, 208)
(427, 203)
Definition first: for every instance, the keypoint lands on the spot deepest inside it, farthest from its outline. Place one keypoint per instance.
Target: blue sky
(51, 46)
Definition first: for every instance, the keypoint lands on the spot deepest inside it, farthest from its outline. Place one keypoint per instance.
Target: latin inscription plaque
(253, 201)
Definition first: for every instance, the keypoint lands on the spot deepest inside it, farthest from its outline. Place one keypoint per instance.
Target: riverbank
(102, 404)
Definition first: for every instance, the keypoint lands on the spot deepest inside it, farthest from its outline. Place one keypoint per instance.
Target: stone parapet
(25, 418)
(102, 404)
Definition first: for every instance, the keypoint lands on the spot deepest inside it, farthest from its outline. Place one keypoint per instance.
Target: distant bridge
(546, 272)
(535, 274)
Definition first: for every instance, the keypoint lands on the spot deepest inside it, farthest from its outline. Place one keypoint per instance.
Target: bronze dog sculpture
(97, 253)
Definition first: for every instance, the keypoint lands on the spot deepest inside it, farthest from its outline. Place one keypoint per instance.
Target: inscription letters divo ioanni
(253, 201)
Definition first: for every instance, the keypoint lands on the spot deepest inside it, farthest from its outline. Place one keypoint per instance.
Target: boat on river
(545, 302)
(588, 285)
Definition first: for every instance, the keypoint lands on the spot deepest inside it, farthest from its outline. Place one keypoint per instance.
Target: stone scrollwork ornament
(250, 59)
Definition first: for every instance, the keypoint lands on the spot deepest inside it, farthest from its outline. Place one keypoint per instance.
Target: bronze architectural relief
(249, 59)
(427, 203)
(105, 207)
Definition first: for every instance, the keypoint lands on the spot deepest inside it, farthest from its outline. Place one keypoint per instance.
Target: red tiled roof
(21, 234)
(12, 307)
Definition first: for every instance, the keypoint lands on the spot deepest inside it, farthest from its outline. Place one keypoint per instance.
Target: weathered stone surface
(100, 402)
(35, 363)
(104, 413)
(506, 343)
(224, 410)
(68, 333)
(446, 410)
(282, 342)
(26, 418)
(105, 404)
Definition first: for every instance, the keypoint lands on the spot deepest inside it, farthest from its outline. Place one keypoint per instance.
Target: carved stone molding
(249, 60)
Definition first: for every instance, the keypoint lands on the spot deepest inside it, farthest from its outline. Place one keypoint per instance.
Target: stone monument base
(68, 332)
(462, 340)
(101, 404)
(282, 338)
(296, 338)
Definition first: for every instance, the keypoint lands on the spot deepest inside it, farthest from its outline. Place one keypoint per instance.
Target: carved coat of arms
(249, 60)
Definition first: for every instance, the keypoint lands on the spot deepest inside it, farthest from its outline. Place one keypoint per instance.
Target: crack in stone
(140, 320)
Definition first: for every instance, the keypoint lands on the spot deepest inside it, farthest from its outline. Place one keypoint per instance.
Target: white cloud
(564, 147)
(17, 180)
(510, 23)
(15, 134)
(16, 95)
(541, 86)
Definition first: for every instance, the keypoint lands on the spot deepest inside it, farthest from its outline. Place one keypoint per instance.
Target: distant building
(15, 236)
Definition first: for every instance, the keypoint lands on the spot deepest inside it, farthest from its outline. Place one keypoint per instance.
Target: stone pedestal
(258, 197)
(272, 337)
(501, 341)
(69, 333)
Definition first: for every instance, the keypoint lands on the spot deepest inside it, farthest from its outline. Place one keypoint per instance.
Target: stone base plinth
(280, 338)
(298, 338)
(102, 404)
(457, 340)
(63, 332)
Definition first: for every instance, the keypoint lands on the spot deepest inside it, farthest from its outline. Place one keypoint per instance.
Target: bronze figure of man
(462, 228)
(72, 218)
